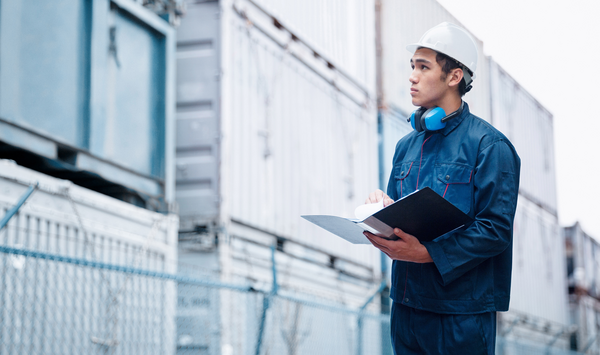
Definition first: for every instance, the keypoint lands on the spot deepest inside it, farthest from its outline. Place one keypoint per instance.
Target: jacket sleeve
(495, 192)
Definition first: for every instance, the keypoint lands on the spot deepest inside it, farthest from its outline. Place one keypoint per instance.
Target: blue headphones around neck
(432, 119)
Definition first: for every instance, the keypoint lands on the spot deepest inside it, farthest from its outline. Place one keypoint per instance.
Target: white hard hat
(453, 41)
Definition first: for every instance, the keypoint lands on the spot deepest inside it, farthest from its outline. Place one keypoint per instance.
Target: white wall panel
(530, 128)
(294, 144)
(404, 22)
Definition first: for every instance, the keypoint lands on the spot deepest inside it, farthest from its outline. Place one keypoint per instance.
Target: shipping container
(61, 294)
(402, 23)
(265, 132)
(583, 275)
(87, 94)
(538, 291)
(539, 271)
(276, 118)
(530, 128)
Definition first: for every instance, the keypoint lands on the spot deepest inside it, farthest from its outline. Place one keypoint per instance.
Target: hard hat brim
(412, 48)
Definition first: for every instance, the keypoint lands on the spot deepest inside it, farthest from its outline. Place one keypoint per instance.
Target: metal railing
(51, 304)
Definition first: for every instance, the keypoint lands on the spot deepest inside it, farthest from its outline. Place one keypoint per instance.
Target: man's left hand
(406, 248)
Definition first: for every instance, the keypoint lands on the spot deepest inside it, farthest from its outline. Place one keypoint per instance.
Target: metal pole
(10, 213)
(360, 316)
(267, 303)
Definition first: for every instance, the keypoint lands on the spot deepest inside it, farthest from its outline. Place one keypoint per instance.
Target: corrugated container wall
(297, 134)
(341, 31)
(403, 22)
(86, 88)
(539, 286)
(530, 128)
(276, 118)
(539, 271)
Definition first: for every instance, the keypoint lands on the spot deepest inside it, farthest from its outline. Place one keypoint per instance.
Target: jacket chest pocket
(454, 184)
(404, 184)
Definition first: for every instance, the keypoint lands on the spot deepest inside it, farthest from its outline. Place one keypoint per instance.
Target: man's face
(428, 86)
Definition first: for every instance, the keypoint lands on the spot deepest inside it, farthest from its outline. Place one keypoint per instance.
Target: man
(446, 292)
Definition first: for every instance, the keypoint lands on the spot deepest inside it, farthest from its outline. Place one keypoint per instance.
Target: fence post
(10, 213)
(360, 317)
(267, 302)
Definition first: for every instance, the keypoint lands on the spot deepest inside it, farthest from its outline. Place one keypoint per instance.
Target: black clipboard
(424, 214)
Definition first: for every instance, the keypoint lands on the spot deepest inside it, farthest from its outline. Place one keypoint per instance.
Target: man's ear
(456, 75)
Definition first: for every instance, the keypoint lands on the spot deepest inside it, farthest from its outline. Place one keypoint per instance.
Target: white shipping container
(530, 128)
(539, 272)
(297, 146)
(89, 306)
(293, 143)
(403, 22)
(290, 131)
(538, 315)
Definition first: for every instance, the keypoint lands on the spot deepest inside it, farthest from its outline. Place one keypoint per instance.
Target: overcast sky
(552, 48)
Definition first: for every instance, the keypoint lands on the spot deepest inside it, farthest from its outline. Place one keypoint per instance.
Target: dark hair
(448, 63)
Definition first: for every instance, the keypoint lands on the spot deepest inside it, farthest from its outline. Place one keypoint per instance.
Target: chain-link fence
(52, 304)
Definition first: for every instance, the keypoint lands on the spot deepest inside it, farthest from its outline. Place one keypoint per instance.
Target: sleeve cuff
(441, 262)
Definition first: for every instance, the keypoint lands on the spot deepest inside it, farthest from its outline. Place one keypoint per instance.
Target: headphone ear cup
(432, 119)
(416, 120)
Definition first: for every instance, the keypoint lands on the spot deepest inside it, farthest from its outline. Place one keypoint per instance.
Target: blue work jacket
(474, 166)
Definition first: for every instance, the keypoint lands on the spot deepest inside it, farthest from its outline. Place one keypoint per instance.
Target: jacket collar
(453, 123)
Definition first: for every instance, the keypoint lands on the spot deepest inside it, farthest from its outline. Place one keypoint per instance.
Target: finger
(368, 234)
(378, 242)
(404, 236)
(382, 248)
(387, 201)
(375, 197)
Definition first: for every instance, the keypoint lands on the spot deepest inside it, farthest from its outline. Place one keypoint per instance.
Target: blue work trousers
(421, 332)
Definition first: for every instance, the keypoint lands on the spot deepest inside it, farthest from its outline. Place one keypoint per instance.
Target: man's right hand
(377, 196)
